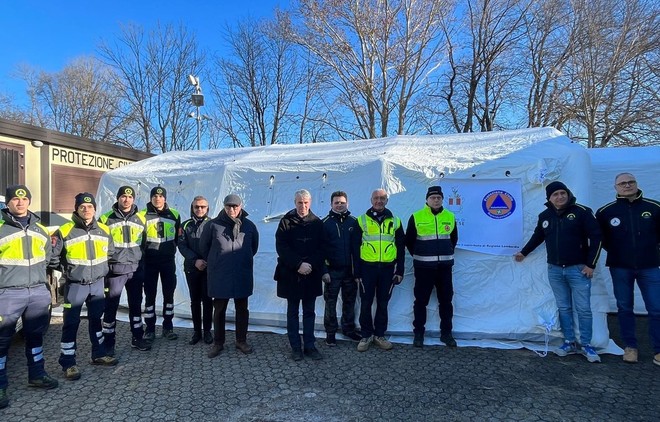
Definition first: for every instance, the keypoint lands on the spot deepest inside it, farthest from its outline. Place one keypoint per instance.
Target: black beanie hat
(158, 190)
(17, 191)
(554, 187)
(126, 190)
(84, 198)
(434, 190)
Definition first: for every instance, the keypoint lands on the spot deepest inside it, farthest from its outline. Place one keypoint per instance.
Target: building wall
(56, 166)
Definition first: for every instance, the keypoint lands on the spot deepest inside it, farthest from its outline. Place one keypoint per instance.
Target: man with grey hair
(631, 236)
(382, 255)
(300, 266)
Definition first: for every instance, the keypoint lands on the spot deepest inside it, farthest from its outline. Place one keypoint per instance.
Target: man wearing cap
(25, 251)
(163, 227)
(194, 266)
(573, 242)
(127, 228)
(82, 248)
(382, 255)
(300, 266)
(229, 243)
(631, 237)
(431, 237)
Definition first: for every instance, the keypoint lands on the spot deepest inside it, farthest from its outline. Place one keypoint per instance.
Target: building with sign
(56, 166)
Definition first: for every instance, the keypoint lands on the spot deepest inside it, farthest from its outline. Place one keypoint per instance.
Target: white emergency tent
(497, 302)
(644, 163)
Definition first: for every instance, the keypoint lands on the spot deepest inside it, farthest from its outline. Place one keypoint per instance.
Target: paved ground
(176, 381)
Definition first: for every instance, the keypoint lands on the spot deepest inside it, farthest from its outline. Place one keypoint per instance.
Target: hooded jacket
(82, 250)
(571, 235)
(631, 232)
(24, 252)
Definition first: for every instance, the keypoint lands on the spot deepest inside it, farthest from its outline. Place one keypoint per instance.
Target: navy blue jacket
(341, 242)
(631, 232)
(571, 235)
(229, 252)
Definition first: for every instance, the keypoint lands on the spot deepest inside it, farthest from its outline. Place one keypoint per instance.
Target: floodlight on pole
(197, 99)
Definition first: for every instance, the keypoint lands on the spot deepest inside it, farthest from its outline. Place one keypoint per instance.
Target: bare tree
(377, 55)
(152, 80)
(480, 59)
(79, 100)
(613, 95)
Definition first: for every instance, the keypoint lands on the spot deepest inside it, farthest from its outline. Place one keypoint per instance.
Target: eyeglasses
(201, 207)
(627, 183)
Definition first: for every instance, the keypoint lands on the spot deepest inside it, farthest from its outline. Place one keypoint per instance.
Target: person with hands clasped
(379, 269)
(573, 243)
(300, 266)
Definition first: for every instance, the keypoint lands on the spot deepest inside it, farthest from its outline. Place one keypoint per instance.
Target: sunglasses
(201, 207)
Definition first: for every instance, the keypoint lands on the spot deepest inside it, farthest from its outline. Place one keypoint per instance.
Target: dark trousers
(376, 282)
(340, 280)
(219, 317)
(32, 305)
(425, 280)
(74, 296)
(114, 284)
(166, 269)
(199, 298)
(293, 322)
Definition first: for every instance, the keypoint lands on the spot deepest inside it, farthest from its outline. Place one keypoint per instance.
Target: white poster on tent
(488, 214)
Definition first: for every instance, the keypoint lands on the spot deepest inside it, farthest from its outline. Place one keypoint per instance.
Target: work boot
(140, 344)
(208, 337)
(419, 340)
(383, 343)
(170, 335)
(44, 383)
(149, 337)
(364, 343)
(215, 350)
(244, 347)
(72, 373)
(195, 338)
(105, 361)
(630, 355)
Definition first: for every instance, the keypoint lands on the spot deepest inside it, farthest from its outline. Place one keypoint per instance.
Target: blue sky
(48, 34)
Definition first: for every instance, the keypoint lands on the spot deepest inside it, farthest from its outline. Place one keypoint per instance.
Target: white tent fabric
(644, 163)
(497, 302)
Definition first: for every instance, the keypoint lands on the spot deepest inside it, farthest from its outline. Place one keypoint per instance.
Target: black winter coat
(229, 256)
(299, 240)
(188, 244)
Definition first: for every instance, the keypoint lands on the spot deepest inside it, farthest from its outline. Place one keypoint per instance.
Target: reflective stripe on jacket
(24, 252)
(162, 231)
(83, 250)
(127, 232)
(378, 239)
(433, 243)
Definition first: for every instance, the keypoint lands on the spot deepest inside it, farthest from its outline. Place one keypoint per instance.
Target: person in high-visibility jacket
(431, 237)
(25, 251)
(127, 229)
(379, 269)
(163, 228)
(82, 248)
